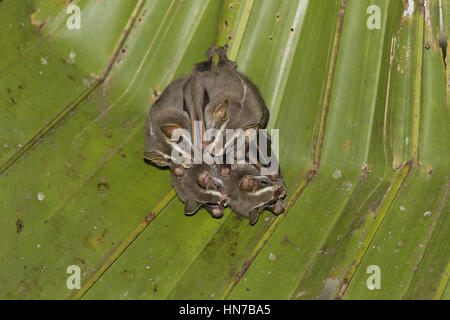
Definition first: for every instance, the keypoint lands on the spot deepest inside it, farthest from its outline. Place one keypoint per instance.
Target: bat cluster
(215, 98)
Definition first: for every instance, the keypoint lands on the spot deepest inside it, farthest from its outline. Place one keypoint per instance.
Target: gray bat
(166, 115)
(221, 98)
(200, 186)
(250, 193)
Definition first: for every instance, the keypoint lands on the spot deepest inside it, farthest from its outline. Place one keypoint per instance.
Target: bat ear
(221, 113)
(204, 180)
(155, 157)
(253, 216)
(247, 184)
(150, 155)
(191, 207)
(168, 130)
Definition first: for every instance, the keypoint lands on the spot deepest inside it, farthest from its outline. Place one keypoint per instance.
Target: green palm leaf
(363, 118)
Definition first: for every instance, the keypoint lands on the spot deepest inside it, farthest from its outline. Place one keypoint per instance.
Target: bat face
(201, 186)
(166, 116)
(250, 193)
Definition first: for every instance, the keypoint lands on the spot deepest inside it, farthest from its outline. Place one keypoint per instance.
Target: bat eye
(221, 113)
(168, 130)
(204, 180)
(247, 184)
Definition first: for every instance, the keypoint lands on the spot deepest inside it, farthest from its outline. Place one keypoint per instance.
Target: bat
(250, 193)
(201, 186)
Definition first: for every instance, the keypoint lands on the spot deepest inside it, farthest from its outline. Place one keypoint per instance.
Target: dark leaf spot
(19, 225)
